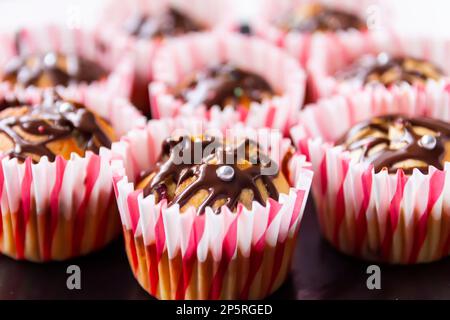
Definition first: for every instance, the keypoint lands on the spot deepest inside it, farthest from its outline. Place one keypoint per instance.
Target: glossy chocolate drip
(319, 18)
(53, 69)
(224, 85)
(391, 70)
(410, 142)
(205, 173)
(50, 121)
(169, 23)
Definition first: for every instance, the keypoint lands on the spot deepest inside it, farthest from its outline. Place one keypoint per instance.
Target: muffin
(223, 85)
(316, 17)
(393, 142)
(390, 70)
(381, 162)
(55, 173)
(53, 56)
(142, 26)
(392, 61)
(53, 127)
(211, 217)
(51, 70)
(214, 81)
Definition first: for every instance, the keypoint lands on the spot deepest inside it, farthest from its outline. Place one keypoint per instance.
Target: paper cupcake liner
(53, 38)
(325, 63)
(242, 255)
(65, 208)
(110, 31)
(181, 57)
(393, 218)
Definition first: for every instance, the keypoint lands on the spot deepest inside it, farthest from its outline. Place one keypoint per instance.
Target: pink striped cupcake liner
(241, 255)
(65, 208)
(111, 32)
(53, 38)
(181, 57)
(324, 64)
(393, 218)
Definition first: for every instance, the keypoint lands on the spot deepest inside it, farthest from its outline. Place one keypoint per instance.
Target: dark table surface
(319, 272)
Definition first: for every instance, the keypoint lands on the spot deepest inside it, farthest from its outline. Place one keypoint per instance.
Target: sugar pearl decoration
(225, 173)
(65, 106)
(50, 59)
(428, 142)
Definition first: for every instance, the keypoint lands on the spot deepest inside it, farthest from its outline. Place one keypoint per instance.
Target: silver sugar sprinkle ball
(50, 59)
(428, 142)
(225, 173)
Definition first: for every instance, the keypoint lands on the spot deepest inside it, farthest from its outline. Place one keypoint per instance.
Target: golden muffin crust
(222, 85)
(394, 142)
(319, 18)
(53, 127)
(51, 70)
(207, 171)
(169, 23)
(389, 70)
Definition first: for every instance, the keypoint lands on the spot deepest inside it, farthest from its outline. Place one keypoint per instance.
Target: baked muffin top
(51, 69)
(50, 128)
(315, 17)
(169, 23)
(389, 70)
(222, 85)
(202, 171)
(394, 142)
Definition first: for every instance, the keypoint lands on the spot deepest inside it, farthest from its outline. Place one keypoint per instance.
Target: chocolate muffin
(223, 85)
(169, 23)
(50, 128)
(389, 70)
(206, 171)
(51, 69)
(394, 142)
(309, 18)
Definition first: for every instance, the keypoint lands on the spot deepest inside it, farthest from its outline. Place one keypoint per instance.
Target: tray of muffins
(177, 151)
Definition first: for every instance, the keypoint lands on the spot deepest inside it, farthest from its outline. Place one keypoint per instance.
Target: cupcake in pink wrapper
(141, 26)
(227, 78)
(390, 60)
(305, 28)
(209, 228)
(380, 158)
(55, 179)
(53, 56)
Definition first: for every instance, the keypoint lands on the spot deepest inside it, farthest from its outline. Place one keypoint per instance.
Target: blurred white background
(429, 17)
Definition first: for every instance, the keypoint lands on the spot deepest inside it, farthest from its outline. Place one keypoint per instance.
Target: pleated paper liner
(58, 39)
(173, 255)
(393, 218)
(179, 58)
(324, 63)
(65, 208)
(113, 35)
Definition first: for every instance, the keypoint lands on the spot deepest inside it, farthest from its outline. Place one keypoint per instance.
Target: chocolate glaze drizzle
(390, 70)
(322, 19)
(223, 85)
(169, 23)
(52, 120)
(205, 173)
(410, 145)
(56, 68)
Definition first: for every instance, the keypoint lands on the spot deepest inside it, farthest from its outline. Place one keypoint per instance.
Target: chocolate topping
(169, 23)
(391, 70)
(49, 121)
(224, 85)
(314, 17)
(387, 141)
(52, 69)
(207, 173)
